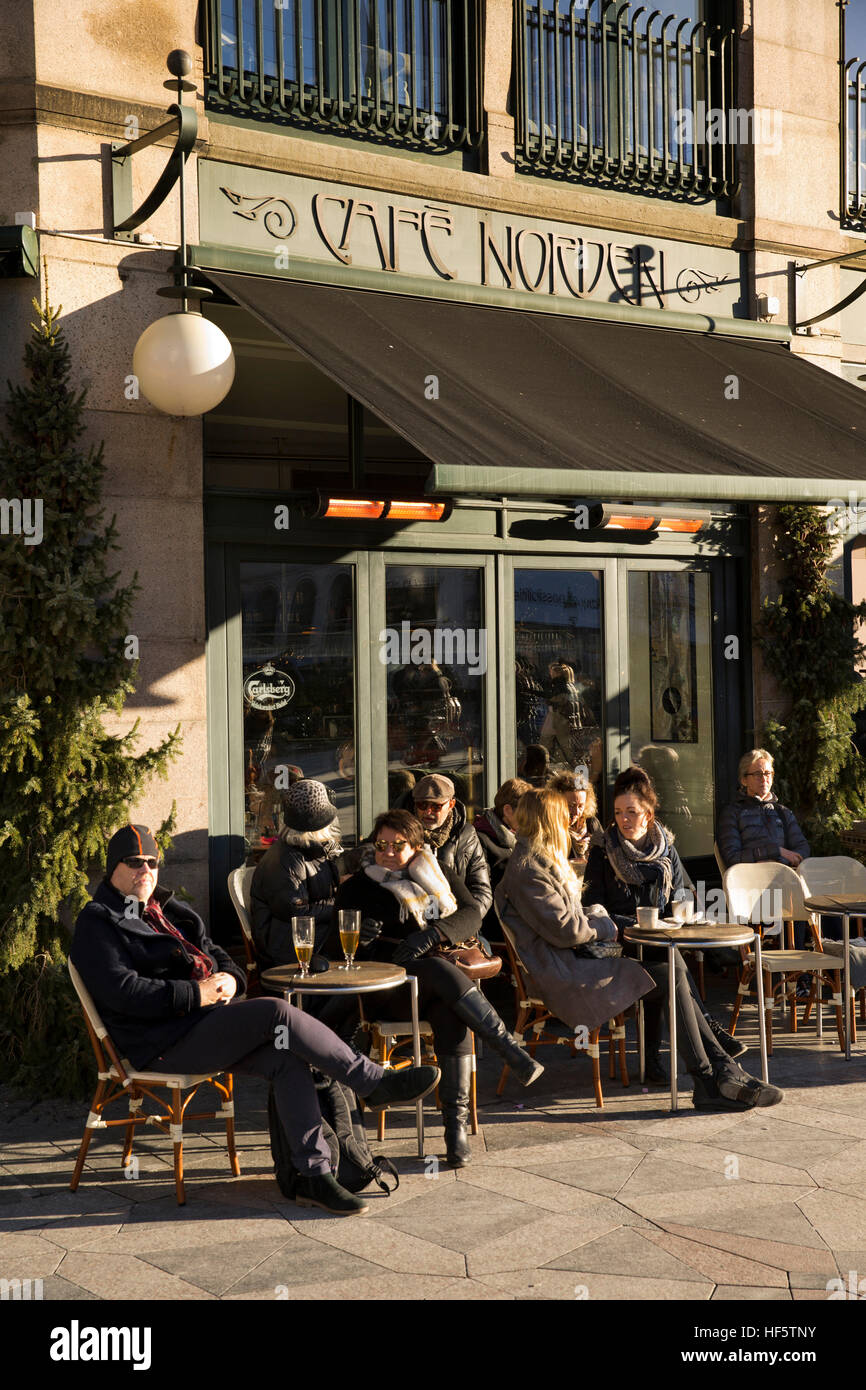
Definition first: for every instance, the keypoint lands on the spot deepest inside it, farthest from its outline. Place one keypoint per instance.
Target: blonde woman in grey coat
(539, 900)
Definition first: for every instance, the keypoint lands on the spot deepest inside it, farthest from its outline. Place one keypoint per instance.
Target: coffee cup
(647, 917)
(683, 911)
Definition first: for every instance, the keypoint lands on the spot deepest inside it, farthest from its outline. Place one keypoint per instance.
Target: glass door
(670, 662)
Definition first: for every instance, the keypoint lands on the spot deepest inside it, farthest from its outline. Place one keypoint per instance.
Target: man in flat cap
(448, 832)
(161, 986)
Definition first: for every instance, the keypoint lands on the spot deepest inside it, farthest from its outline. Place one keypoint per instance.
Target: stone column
(498, 18)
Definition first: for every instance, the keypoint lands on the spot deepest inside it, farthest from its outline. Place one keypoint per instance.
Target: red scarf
(202, 965)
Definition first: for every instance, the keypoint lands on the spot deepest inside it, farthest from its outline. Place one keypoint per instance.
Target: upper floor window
(611, 93)
(397, 70)
(853, 115)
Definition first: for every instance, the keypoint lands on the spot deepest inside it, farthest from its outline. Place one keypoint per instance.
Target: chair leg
(623, 1064)
(473, 1092)
(177, 1139)
(769, 1002)
(135, 1102)
(593, 1050)
(743, 989)
(386, 1054)
(95, 1111)
(611, 1048)
(229, 1107)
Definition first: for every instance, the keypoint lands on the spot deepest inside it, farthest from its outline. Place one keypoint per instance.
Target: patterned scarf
(439, 834)
(201, 964)
(416, 887)
(651, 865)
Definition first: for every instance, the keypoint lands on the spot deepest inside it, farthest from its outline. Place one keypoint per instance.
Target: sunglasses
(384, 845)
(137, 862)
(428, 805)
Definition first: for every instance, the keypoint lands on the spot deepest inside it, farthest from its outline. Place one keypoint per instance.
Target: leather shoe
(399, 1087)
(654, 1072)
(323, 1190)
(706, 1095)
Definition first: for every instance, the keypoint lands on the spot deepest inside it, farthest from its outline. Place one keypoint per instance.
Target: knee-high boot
(454, 1086)
(473, 1010)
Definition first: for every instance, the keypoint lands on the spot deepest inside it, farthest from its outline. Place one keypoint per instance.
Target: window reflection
(435, 649)
(558, 672)
(299, 689)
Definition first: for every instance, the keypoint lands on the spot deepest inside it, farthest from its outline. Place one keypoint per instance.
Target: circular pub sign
(268, 688)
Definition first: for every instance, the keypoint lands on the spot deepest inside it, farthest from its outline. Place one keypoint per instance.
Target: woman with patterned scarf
(634, 864)
(422, 905)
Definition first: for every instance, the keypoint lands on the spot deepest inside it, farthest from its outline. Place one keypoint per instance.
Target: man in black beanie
(161, 986)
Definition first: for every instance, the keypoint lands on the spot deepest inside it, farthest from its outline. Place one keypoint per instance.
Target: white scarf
(417, 886)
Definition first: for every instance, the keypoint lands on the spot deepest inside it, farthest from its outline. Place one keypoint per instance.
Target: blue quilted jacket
(750, 831)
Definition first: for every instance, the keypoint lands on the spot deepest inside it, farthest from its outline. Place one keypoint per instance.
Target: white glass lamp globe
(184, 364)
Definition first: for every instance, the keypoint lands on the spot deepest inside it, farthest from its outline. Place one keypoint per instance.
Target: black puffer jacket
(298, 877)
(752, 831)
(140, 978)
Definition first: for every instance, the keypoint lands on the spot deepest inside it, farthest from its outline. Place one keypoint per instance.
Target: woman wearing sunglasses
(423, 905)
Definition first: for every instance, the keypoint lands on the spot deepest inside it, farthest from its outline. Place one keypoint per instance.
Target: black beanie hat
(126, 842)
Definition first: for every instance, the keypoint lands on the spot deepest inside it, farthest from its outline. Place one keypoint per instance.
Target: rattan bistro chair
(120, 1078)
(745, 886)
(533, 1017)
(836, 873)
(239, 892)
(387, 1043)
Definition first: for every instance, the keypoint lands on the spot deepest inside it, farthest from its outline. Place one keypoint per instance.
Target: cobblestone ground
(561, 1200)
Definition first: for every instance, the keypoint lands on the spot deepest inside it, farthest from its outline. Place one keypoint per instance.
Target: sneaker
(323, 1190)
(748, 1090)
(734, 1047)
(399, 1087)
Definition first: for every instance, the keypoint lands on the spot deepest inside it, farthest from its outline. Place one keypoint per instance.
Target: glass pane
(558, 669)
(299, 688)
(670, 695)
(435, 649)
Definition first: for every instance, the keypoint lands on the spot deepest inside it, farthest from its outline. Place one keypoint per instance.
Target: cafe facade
(516, 386)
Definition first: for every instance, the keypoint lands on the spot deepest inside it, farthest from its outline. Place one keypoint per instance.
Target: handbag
(472, 959)
(599, 950)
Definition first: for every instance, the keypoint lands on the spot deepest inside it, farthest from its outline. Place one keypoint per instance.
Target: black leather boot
(654, 1072)
(473, 1010)
(454, 1086)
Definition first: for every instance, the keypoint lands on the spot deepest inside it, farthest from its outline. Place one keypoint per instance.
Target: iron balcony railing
(630, 99)
(394, 70)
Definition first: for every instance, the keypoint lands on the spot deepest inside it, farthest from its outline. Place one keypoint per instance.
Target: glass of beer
(349, 923)
(304, 936)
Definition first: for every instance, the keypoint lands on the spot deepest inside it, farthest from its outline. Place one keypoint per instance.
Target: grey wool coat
(548, 922)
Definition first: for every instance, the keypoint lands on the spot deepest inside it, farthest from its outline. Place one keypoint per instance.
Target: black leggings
(440, 985)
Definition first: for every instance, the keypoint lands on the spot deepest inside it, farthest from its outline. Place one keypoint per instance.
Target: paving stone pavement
(561, 1201)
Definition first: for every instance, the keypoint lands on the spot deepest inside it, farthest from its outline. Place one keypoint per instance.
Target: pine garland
(65, 784)
(810, 645)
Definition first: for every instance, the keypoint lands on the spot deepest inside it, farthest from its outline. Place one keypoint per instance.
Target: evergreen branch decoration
(809, 639)
(65, 783)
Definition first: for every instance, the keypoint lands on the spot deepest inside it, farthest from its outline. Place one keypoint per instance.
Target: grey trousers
(268, 1037)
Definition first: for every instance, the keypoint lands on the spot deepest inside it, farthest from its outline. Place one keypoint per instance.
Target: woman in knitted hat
(421, 905)
(298, 876)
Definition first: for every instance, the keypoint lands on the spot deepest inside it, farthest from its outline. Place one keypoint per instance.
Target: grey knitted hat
(307, 806)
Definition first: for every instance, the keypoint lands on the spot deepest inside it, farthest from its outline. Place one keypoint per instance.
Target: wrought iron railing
(395, 70)
(628, 99)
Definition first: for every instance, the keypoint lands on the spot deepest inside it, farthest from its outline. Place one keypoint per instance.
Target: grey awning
(532, 403)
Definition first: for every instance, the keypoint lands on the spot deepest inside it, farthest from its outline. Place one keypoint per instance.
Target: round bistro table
(366, 977)
(706, 936)
(846, 906)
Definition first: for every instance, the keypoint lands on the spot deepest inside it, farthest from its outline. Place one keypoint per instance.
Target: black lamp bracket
(183, 123)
